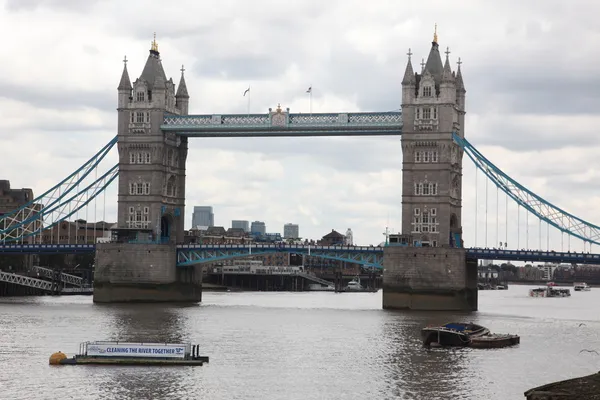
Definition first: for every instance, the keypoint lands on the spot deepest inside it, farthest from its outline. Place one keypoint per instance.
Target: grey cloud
(70, 5)
(58, 99)
(350, 154)
(238, 67)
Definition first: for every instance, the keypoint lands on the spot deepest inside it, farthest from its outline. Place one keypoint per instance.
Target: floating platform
(127, 353)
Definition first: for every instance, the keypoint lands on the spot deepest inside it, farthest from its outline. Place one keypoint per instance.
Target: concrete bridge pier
(127, 272)
(429, 278)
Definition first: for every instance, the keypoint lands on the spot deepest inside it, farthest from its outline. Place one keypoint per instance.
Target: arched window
(171, 186)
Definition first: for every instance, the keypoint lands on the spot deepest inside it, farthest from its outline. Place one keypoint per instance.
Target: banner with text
(135, 350)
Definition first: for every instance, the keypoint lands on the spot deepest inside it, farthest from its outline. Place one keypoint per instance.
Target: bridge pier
(144, 273)
(429, 278)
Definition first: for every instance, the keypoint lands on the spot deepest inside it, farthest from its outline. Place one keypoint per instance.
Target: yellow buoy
(57, 357)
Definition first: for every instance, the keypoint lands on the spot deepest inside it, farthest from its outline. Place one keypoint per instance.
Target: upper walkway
(280, 123)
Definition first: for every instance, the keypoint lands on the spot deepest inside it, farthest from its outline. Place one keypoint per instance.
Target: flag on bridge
(309, 90)
(246, 91)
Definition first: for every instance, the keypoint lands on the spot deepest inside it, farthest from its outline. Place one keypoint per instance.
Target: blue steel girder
(546, 211)
(191, 254)
(282, 123)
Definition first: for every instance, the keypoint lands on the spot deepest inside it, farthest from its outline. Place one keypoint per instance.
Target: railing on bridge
(46, 248)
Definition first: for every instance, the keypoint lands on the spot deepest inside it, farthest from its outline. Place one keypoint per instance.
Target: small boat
(494, 341)
(452, 334)
(127, 353)
(581, 287)
(466, 335)
(354, 285)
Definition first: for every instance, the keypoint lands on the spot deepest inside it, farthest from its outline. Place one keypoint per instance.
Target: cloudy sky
(530, 70)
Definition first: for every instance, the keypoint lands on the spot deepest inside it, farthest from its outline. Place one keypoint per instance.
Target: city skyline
(526, 106)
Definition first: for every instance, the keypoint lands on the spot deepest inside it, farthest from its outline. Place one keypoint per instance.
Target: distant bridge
(368, 256)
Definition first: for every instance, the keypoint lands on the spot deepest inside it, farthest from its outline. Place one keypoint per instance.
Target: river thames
(297, 346)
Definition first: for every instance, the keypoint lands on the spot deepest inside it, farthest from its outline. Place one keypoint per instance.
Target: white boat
(354, 285)
(317, 287)
(581, 287)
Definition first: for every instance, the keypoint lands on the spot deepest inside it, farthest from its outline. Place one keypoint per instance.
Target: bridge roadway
(365, 255)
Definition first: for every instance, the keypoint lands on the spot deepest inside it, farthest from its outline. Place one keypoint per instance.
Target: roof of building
(333, 235)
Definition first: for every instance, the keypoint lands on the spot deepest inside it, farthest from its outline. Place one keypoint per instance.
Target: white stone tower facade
(151, 162)
(433, 107)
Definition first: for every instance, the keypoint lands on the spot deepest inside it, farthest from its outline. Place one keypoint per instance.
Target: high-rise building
(258, 227)
(203, 216)
(245, 225)
(291, 231)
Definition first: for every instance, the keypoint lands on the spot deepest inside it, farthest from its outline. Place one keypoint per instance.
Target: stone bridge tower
(139, 265)
(426, 266)
(151, 163)
(433, 107)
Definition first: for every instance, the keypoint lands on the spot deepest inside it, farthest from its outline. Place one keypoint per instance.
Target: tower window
(417, 156)
(427, 113)
(140, 96)
(139, 117)
(427, 91)
(434, 112)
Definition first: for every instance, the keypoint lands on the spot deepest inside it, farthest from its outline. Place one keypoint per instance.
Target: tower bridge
(426, 266)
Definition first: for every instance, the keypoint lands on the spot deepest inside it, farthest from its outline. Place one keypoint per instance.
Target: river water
(297, 346)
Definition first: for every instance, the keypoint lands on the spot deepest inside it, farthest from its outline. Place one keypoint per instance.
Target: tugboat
(458, 334)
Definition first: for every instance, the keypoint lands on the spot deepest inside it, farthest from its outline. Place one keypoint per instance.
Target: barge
(456, 334)
(128, 353)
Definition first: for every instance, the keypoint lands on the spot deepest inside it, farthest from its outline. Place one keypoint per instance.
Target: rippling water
(297, 346)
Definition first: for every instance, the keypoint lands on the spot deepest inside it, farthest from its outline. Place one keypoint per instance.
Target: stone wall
(429, 278)
(143, 273)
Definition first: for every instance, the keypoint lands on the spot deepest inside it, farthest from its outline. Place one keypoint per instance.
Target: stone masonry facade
(428, 269)
(433, 107)
(151, 162)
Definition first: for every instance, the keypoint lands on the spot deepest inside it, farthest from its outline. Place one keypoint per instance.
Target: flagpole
(310, 94)
(248, 100)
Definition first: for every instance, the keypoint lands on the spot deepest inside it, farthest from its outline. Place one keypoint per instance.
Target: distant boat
(317, 287)
(549, 291)
(354, 285)
(581, 287)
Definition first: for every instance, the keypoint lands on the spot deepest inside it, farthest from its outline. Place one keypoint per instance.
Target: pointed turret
(409, 74)
(182, 91)
(447, 72)
(125, 87)
(434, 60)
(125, 83)
(182, 97)
(153, 67)
(409, 82)
(460, 86)
(447, 85)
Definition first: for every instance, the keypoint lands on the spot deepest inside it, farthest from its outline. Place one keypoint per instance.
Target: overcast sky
(530, 69)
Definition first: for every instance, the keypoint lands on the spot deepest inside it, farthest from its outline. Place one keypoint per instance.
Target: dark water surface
(297, 346)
